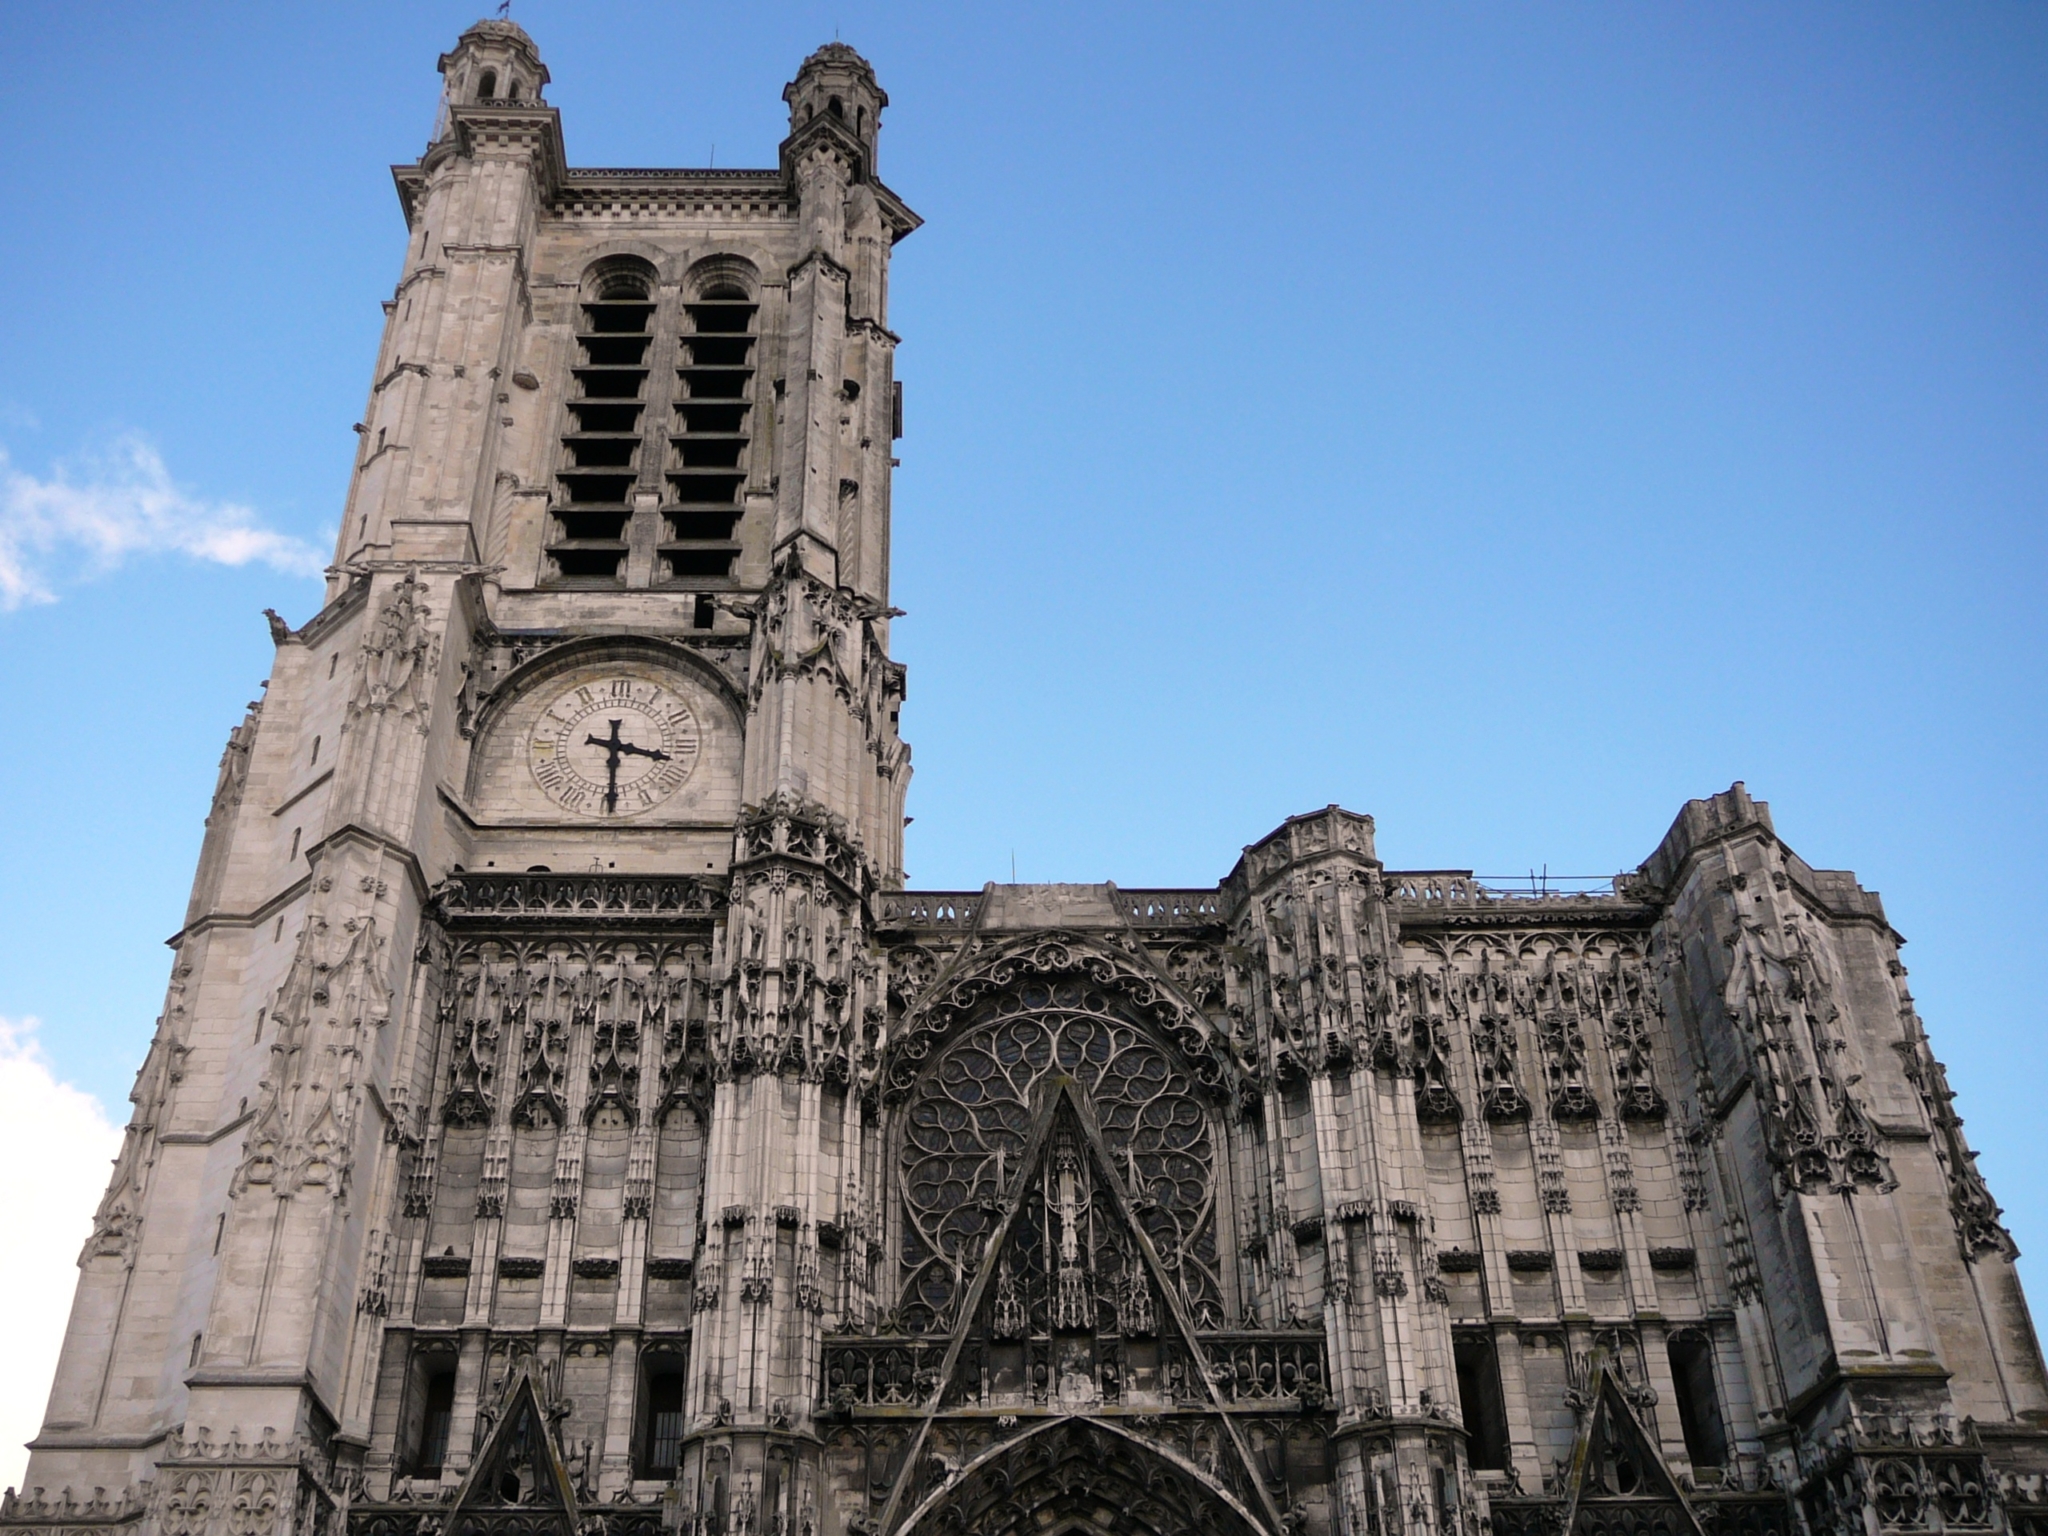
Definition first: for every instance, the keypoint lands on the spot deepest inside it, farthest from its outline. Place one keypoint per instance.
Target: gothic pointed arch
(518, 1484)
(1617, 1479)
(1069, 1303)
(1083, 1476)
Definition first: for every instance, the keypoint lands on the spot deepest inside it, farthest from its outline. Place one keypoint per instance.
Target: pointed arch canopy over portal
(1067, 1153)
(1083, 1476)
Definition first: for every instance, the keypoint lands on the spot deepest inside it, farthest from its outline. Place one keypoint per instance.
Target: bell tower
(510, 1071)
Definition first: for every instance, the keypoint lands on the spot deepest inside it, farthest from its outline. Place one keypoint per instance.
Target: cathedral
(564, 1122)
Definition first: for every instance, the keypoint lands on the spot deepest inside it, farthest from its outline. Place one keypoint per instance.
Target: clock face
(615, 746)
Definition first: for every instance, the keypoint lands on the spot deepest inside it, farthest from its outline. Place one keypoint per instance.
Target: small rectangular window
(295, 846)
(438, 1413)
(661, 1431)
(707, 611)
(316, 753)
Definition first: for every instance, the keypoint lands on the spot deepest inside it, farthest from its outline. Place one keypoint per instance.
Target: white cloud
(56, 1145)
(118, 504)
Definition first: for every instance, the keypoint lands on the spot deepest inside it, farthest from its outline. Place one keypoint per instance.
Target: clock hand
(614, 751)
(611, 765)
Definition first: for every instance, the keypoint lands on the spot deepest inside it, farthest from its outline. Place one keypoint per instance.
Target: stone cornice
(486, 898)
(204, 1138)
(304, 790)
(409, 181)
(356, 832)
(328, 619)
(874, 330)
(537, 126)
(86, 1440)
(696, 179)
(902, 220)
(263, 912)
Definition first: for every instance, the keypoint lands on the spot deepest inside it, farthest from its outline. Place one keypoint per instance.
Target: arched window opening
(660, 1439)
(967, 1125)
(600, 459)
(487, 85)
(1699, 1408)
(1480, 1400)
(512, 89)
(707, 462)
(431, 1411)
(838, 112)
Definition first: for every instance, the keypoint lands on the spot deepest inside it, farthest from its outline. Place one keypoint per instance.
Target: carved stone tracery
(966, 1125)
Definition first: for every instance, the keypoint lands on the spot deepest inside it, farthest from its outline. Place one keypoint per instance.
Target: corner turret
(835, 92)
(494, 63)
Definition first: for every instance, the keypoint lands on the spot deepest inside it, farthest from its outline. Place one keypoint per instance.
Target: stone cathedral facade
(563, 1121)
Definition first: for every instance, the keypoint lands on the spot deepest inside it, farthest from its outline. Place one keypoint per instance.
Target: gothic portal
(563, 1122)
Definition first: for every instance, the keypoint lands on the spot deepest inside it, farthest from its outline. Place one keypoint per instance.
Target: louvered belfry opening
(707, 470)
(600, 461)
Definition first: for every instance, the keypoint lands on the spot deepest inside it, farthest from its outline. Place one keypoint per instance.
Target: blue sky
(1506, 420)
